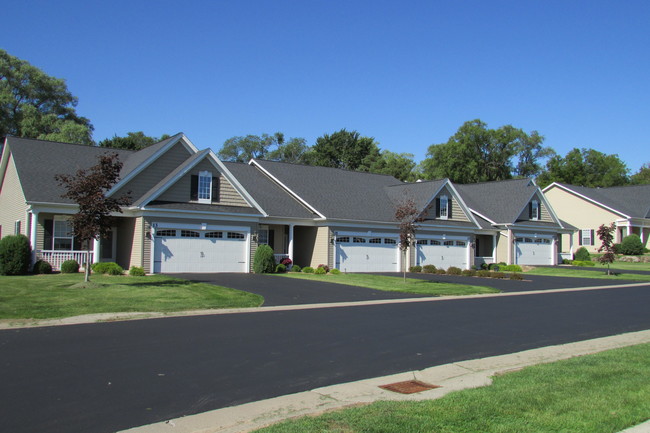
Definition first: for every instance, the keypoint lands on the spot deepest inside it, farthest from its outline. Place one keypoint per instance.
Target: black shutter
(592, 237)
(48, 228)
(449, 208)
(579, 237)
(215, 189)
(530, 210)
(438, 207)
(272, 238)
(194, 187)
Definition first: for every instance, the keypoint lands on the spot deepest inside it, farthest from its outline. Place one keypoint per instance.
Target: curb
(450, 377)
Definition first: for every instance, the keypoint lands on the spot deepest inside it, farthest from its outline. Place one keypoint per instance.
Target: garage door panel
(442, 256)
(359, 254)
(529, 251)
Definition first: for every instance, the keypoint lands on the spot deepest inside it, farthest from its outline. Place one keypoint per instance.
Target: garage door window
(189, 234)
(460, 243)
(449, 243)
(423, 242)
(234, 235)
(359, 240)
(374, 241)
(166, 233)
(343, 240)
(214, 235)
(435, 242)
(388, 241)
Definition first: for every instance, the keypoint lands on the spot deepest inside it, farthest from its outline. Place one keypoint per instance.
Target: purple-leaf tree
(606, 236)
(408, 216)
(87, 188)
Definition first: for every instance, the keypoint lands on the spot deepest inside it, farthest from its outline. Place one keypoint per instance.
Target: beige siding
(579, 213)
(502, 246)
(12, 202)
(156, 172)
(136, 258)
(125, 244)
(146, 245)
(322, 253)
(457, 213)
(180, 191)
(545, 215)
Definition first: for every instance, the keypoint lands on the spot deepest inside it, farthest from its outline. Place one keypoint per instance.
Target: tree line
(36, 105)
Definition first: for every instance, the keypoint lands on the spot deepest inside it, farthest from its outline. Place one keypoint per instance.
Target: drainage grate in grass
(409, 387)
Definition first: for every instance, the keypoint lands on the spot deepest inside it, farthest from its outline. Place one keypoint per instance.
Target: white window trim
(59, 218)
(583, 237)
(444, 207)
(204, 174)
(536, 210)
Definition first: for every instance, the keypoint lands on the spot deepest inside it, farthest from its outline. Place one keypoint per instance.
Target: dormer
(204, 187)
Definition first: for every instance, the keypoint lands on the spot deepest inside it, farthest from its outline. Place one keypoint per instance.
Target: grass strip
(601, 393)
(54, 296)
(579, 273)
(397, 284)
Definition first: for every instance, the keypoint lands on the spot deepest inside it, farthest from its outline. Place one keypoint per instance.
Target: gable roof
(632, 201)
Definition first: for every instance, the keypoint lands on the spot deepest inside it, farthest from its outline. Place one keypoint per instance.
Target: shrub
(429, 269)
(327, 268)
(320, 270)
(295, 268)
(286, 261)
(566, 261)
(582, 255)
(415, 269)
(280, 269)
(483, 273)
(582, 263)
(136, 271)
(485, 266)
(440, 272)
(453, 270)
(495, 266)
(498, 275)
(15, 255)
(263, 261)
(516, 276)
(631, 246)
(510, 268)
(308, 270)
(69, 267)
(469, 272)
(110, 268)
(42, 267)
(335, 271)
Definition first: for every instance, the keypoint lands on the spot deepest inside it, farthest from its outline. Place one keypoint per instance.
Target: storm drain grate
(409, 387)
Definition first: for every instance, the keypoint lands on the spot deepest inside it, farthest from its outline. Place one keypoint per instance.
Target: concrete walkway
(450, 377)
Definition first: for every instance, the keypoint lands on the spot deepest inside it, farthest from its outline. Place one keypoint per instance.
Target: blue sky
(408, 73)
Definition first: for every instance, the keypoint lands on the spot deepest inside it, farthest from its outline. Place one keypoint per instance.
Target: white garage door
(442, 253)
(533, 251)
(177, 250)
(367, 254)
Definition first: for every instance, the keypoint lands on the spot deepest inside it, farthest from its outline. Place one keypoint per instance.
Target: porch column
(290, 252)
(96, 246)
(509, 257)
(554, 250)
(33, 234)
(494, 247)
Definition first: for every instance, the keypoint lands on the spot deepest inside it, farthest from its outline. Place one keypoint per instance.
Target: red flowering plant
(286, 261)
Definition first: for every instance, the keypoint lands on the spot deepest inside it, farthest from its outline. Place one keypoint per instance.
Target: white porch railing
(56, 258)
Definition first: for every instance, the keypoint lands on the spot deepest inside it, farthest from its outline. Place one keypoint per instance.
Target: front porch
(56, 258)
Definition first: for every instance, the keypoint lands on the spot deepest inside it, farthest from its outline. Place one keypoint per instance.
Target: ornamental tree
(408, 216)
(606, 236)
(87, 188)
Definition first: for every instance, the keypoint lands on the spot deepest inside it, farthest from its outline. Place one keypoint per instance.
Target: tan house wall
(12, 202)
(156, 172)
(322, 252)
(581, 214)
(125, 242)
(137, 251)
(180, 191)
(502, 246)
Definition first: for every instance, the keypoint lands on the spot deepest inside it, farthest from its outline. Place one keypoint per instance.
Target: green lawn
(51, 296)
(601, 393)
(579, 273)
(397, 284)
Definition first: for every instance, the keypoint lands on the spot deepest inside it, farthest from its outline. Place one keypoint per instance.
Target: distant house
(191, 212)
(628, 207)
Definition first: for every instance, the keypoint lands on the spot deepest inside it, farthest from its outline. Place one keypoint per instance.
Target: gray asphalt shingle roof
(501, 201)
(633, 200)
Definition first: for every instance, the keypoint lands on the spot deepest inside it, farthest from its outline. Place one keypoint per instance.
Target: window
(539, 241)
(444, 207)
(389, 241)
(62, 238)
(534, 210)
(165, 232)
(17, 227)
(358, 240)
(205, 187)
(460, 243)
(234, 235)
(435, 242)
(263, 236)
(343, 239)
(423, 242)
(189, 234)
(213, 235)
(449, 243)
(586, 237)
(374, 241)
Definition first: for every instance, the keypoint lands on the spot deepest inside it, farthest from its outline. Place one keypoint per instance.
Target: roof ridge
(91, 146)
(321, 166)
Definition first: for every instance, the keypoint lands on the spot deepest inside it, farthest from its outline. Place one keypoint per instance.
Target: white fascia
(482, 216)
(4, 159)
(238, 186)
(464, 206)
(292, 193)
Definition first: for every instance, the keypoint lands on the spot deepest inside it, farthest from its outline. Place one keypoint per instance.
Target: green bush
(308, 270)
(440, 272)
(469, 272)
(582, 263)
(495, 266)
(335, 271)
(510, 268)
(110, 268)
(483, 273)
(280, 269)
(42, 267)
(485, 266)
(582, 255)
(69, 267)
(320, 271)
(616, 248)
(136, 271)
(498, 275)
(295, 268)
(264, 261)
(429, 269)
(516, 276)
(415, 269)
(453, 270)
(15, 255)
(327, 268)
(631, 246)
(566, 261)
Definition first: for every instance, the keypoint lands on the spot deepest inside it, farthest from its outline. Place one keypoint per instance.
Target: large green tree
(132, 141)
(476, 153)
(293, 151)
(642, 177)
(243, 149)
(399, 165)
(344, 149)
(36, 105)
(585, 167)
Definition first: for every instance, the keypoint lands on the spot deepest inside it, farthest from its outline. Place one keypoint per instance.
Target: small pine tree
(264, 261)
(15, 255)
(606, 236)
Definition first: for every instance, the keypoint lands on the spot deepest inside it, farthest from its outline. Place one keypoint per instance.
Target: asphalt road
(112, 376)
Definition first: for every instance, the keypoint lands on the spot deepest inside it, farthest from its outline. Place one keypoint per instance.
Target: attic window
(534, 210)
(444, 207)
(205, 187)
